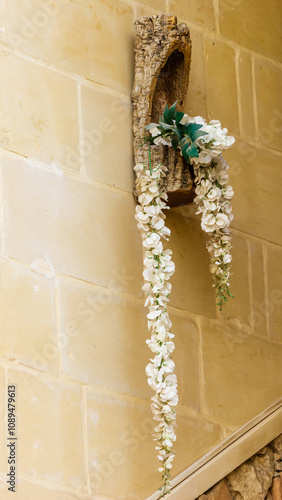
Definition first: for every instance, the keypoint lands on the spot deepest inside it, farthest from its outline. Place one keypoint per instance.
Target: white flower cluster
(213, 197)
(165, 141)
(158, 268)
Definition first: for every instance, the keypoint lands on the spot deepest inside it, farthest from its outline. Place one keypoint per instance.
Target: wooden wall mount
(162, 65)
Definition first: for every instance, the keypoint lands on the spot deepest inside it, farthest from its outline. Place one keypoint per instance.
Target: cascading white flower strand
(158, 268)
(213, 199)
(202, 144)
(213, 193)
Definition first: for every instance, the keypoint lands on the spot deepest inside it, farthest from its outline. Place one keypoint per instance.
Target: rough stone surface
(254, 478)
(219, 492)
(244, 484)
(276, 489)
(162, 64)
(277, 444)
(259, 478)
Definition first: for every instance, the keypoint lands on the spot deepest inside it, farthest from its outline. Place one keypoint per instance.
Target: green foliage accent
(182, 136)
(178, 116)
(223, 294)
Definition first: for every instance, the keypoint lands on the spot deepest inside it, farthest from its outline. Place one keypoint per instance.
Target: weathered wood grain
(162, 65)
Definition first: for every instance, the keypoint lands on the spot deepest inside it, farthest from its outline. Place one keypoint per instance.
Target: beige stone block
(38, 112)
(252, 25)
(192, 282)
(239, 306)
(28, 331)
(246, 95)
(239, 373)
(269, 103)
(122, 458)
(221, 84)
(157, 5)
(196, 103)
(186, 361)
(195, 438)
(49, 429)
(93, 39)
(104, 340)
(107, 144)
(256, 177)
(101, 329)
(200, 13)
(274, 281)
(83, 230)
(145, 10)
(258, 315)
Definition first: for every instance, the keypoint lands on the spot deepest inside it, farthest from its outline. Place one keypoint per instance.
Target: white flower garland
(213, 199)
(158, 268)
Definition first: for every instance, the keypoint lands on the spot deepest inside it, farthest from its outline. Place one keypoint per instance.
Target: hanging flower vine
(201, 144)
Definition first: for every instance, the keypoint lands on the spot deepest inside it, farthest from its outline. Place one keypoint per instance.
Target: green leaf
(196, 134)
(174, 143)
(184, 141)
(169, 113)
(178, 117)
(192, 126)
(185, 155)
(178, 133)
(166, 126)
(190, 150)
(172, 112)
(192, 129)
(181, 128)
(151, 125)
(166, 115)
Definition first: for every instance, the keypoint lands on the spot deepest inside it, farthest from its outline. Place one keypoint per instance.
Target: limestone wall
(73, 323)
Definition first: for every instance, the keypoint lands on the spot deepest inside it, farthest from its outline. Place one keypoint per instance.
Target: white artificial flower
(166, 141)
(208, 223)
(222, 177)
(210, 205)
(227, 258)
(228, 192)
(214, 194)
(222, 220)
